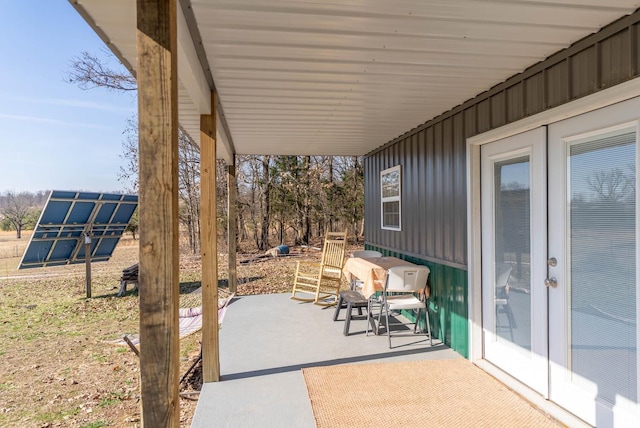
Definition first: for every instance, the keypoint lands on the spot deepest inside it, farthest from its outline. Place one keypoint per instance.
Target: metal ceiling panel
(59, 236)
(345, 77)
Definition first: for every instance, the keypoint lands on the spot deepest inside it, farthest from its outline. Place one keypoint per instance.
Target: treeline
(290, 199)
(280, 199)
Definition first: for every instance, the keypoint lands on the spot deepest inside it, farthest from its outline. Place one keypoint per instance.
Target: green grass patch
(113, 398)
(99, 358)
(50, 417)
(109, 402)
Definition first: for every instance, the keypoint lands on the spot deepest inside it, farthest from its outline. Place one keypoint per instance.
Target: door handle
(551, 282)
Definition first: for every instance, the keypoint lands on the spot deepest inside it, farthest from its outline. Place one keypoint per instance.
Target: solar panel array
(59, 237)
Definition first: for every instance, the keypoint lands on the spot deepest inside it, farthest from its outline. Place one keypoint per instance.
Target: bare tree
(128, 173)
(351, 191)
(255, 186)
(189, 188)
(610, 186)
(265, 204)
(631, 180)
(90, 71)
(16, 208)
(307, 195)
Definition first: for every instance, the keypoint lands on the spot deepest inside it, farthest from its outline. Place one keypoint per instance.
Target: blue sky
(54, 135)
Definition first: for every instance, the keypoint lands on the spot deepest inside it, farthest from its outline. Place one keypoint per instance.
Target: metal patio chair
(405, 289)
(503, 273)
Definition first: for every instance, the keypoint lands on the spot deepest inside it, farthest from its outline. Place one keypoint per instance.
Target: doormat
(438, 393)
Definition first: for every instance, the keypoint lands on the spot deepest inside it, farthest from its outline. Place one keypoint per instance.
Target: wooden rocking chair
(322, 280)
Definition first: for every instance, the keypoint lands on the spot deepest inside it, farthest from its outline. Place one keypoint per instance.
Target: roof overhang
(347, 76)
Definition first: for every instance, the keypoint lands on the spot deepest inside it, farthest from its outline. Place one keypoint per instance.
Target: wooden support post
(208, 246)
(232, 226)
(157, 77)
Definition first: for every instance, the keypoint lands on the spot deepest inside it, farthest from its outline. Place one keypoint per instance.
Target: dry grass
(57, 369)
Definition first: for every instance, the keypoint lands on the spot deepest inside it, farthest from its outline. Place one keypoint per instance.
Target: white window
(391, 198)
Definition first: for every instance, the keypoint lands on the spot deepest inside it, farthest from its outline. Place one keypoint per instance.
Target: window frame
(395, 170)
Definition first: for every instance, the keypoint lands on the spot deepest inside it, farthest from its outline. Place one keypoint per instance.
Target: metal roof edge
(89, 20)
(196, 39)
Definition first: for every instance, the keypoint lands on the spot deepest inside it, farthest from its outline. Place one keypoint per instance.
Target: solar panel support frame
(69, 226)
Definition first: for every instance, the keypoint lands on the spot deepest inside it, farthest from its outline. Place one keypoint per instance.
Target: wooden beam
(232, 225)
(208, 246)
(158, 196)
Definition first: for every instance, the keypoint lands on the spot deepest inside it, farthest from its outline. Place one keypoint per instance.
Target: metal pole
(87, 262)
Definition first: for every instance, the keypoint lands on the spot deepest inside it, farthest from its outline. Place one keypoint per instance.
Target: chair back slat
(407, 279)
(334, 249)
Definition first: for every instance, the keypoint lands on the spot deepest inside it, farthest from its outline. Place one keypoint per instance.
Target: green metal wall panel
(448, 303)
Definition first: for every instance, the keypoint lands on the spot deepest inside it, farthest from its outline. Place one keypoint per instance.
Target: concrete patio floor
(266, 340)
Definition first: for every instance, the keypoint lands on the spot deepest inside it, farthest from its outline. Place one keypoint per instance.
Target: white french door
(560, 262)
(514, 245)
(593, 230)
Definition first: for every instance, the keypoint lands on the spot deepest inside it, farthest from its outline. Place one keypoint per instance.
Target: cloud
(77, 104)
(51, 121)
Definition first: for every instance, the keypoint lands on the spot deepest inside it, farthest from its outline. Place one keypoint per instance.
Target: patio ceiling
(343, 77)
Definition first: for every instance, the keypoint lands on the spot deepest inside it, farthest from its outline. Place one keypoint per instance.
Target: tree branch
(89, 72)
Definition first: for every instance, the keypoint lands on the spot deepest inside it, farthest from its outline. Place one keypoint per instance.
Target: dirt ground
(58, 367)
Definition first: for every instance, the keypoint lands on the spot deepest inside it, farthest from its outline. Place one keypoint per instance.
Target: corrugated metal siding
(433, 190)
(429, 194)
(557, 84)
(459, 199)
(483, 115)
(422, 201)
(448, 194)
(433, 159)
(439, 217)
(584, 73)
(615, 63)
(534, 94)
(515, 102)
(498, 110)
(433, 155)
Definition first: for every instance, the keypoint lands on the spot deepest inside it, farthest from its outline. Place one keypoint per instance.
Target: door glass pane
(602, 261)
(512, 246)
